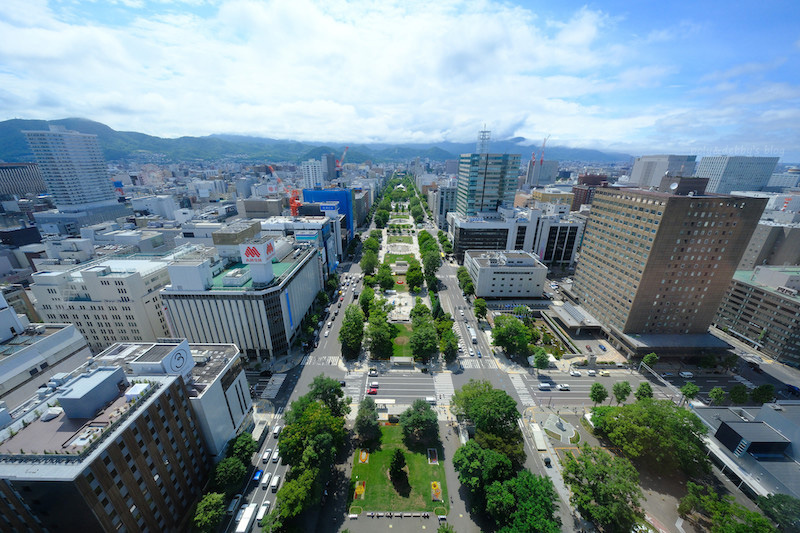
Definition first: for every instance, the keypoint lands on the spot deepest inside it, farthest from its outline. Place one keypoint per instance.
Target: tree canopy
(229, 473)
(644, 391)
(448, 345)
(380, 333)
(365, 299)
(491, 410)
(763, 393)
(419, 423)
(329, 391)
(479, 306)
(511, 334)
(782, 509)
(621, 390)
(366, 424)
(209, 512)
(717, 395)
(243, 447)
(523, 503)
(369, 262)
(604, 488)
(739, 394)
(726, 515)
(598, 393)
(372, 245)
(351, 333)
(384, 277)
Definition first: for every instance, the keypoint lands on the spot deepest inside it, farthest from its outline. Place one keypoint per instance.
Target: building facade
(541, 173)
(762, 308)
(19, 179)
(507, 274)
(486, 182)
(442, 200)
(660, 263)
(772, 243)
(648, 170)
(736, 173)
(344, 198)
(312, 174)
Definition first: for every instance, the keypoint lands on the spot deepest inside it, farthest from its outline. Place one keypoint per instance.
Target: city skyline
(610, 76)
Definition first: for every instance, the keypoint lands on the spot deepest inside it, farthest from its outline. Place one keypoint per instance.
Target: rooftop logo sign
(260, 253)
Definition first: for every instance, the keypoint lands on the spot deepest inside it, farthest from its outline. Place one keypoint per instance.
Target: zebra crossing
(443, 385)
(274, 385)
(474, 363)
(320, 360)
(524, 394)
(354, 387)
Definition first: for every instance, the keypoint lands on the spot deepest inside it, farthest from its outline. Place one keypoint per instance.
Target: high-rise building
(772, 243)
(329, 166)
(486, 182)
(442, 200)
(541, 173)
(312, 174)
(736, 173)
(656, 263)
(649, 169)
(20, 179)
(73, 168)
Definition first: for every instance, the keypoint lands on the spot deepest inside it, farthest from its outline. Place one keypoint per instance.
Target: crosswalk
(474, 363)
(354, 387)
(320, 360)
(273, 387)
(443, 385)
(522, 390)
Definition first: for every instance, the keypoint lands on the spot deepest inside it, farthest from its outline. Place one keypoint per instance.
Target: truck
(248, 517)
(472, 335)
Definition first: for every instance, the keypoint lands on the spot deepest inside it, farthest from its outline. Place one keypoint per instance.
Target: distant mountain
(120, 145)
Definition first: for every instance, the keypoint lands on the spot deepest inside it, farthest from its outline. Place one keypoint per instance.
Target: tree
(644, 391)
(229, 473)
(322, 298)
(366, 424)
(419, 311)
(419, 423)
(726, 515)
(690, 391)
(446, 528)
(243, 447)
(414, 277)
(469, 288)
(380, 333)
(381, 218)
(372, 245)
(376, 234)
(729, 362)
(369, 262)
(541, 359)
(670, 437)
(717, 395)
(598, 393)
(604, 488)
(312, 435)
(739, 394)
(431, 260)
(397, 464)
(478, 467)
(491, 410)
(621, 390)
(365, 299)
(209, 512)
(763, 393)
(782, 509)
(523, 503)
(296, 495)
(351, 334)
(384, 277)
(448, 345)
(417, 213)
(511, 334)
(329, 392)
(650, 359)
(479, 306)
(424, 340)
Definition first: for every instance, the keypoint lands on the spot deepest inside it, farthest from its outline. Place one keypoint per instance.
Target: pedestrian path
(321, 360)
(744, 381)
(522, 390)
(443, 384)
(273, 387)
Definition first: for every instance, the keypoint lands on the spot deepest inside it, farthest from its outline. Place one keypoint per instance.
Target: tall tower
(73, 168)
(482, 147)
(312, 174)
(486, 181)
(649, 169)
(661, 262)
(736, 173)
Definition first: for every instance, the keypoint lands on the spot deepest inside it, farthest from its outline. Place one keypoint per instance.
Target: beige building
(658, 263)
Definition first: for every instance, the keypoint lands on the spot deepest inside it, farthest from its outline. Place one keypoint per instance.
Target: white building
(322, 232)
(784, 180)
(108, 300)
(442, 200)
(312, 174)
(649, 169)
(507, 274)
(258, 304)
(541, 173)
(162, 205)
(736, 173)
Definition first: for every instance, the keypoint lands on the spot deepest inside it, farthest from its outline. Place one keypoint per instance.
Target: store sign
(257, 253)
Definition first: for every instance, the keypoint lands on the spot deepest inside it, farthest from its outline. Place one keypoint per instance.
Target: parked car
(588, 348)
(602, 347)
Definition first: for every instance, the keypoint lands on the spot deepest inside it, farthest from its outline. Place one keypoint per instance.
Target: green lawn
(391, 258)
(400, 287)
(380, 494)
(402, 346)
(400, 238)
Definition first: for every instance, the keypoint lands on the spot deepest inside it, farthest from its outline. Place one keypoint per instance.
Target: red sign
(252, 251)
(270, 248)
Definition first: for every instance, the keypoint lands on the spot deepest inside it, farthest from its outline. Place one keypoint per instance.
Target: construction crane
(295, 203)
(340, 162)
(541, 161)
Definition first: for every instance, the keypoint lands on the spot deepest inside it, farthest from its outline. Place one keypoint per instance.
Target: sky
(705, 78)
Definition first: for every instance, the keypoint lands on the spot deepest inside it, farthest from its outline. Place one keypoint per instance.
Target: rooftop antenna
(483, 141)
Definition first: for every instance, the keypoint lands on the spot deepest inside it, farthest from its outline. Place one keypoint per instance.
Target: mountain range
(123, 145)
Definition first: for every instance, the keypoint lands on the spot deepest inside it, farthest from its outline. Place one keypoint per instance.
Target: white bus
(474, 337)
(249, 516)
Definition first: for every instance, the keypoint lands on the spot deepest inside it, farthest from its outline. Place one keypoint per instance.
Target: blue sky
(639, 77)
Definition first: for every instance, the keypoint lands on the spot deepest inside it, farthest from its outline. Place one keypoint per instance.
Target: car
(327, 332)
(575, 373)
(372, 390)
(330, 324)
(343, 383)
(263, 510)
(479, 354)
(240, 513)
(373, 372)
(462, 312)
(234, 505)
(686, 375)
(591, 372)
(588, 348)
(667, 375)
(341, 299)
(266, 455)
(471, 353)
(602, 347)
(605, 373)
(562, 386)
(257, 475)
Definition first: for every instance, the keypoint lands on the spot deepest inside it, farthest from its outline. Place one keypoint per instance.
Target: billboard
(324, 207)
(257, 253)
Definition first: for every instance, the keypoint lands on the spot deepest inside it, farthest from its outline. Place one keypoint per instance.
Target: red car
(341, 299)
(372, 390)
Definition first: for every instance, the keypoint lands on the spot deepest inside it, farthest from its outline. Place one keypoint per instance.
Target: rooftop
(29, 337)
(747, 277)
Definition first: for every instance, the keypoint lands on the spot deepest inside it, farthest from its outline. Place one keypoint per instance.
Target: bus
(248, 517)
(471, 331)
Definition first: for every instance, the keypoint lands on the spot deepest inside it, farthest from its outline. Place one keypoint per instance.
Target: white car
(327, 332)
(575, 373)
(263, 509)
(591, 372)
(562, 386)
(471, 353)
(686, 375)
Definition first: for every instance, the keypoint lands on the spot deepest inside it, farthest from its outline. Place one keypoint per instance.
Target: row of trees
(314, 434)
(490, 465)
(424, 337)
(722, 511)
(447, 246)
(431, 259)
(465, 281)
(448, 341)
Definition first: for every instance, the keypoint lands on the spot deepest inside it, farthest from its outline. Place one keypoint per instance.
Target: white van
(686, 375)
(276, 481)
(266, 456)
(276, 456)
(374, 385)
(265, 479)
(276, 431)
(431, 400)
(544, 385)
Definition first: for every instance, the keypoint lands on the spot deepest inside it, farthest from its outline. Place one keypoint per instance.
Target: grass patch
(400, 287)
(400, 238)
(402, 342)
(393, 258)
(576, 438)
(380, 494)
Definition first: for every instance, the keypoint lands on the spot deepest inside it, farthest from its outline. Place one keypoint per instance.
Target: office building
(20, 179)
(103, 453)
(656, 264)
(554, 237)
(322, 232)
(649, 169)
(162, 205)
(762, 308)
(328, 166)
(344, 199)
(772, 243)
(780, 181)
(260, 207)
(108, 300)
(486, 182)
(551, 195)
(541, 173)
(442, 200)
(507, 274)
(736, 173)
(312, 174)
(258, 303)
